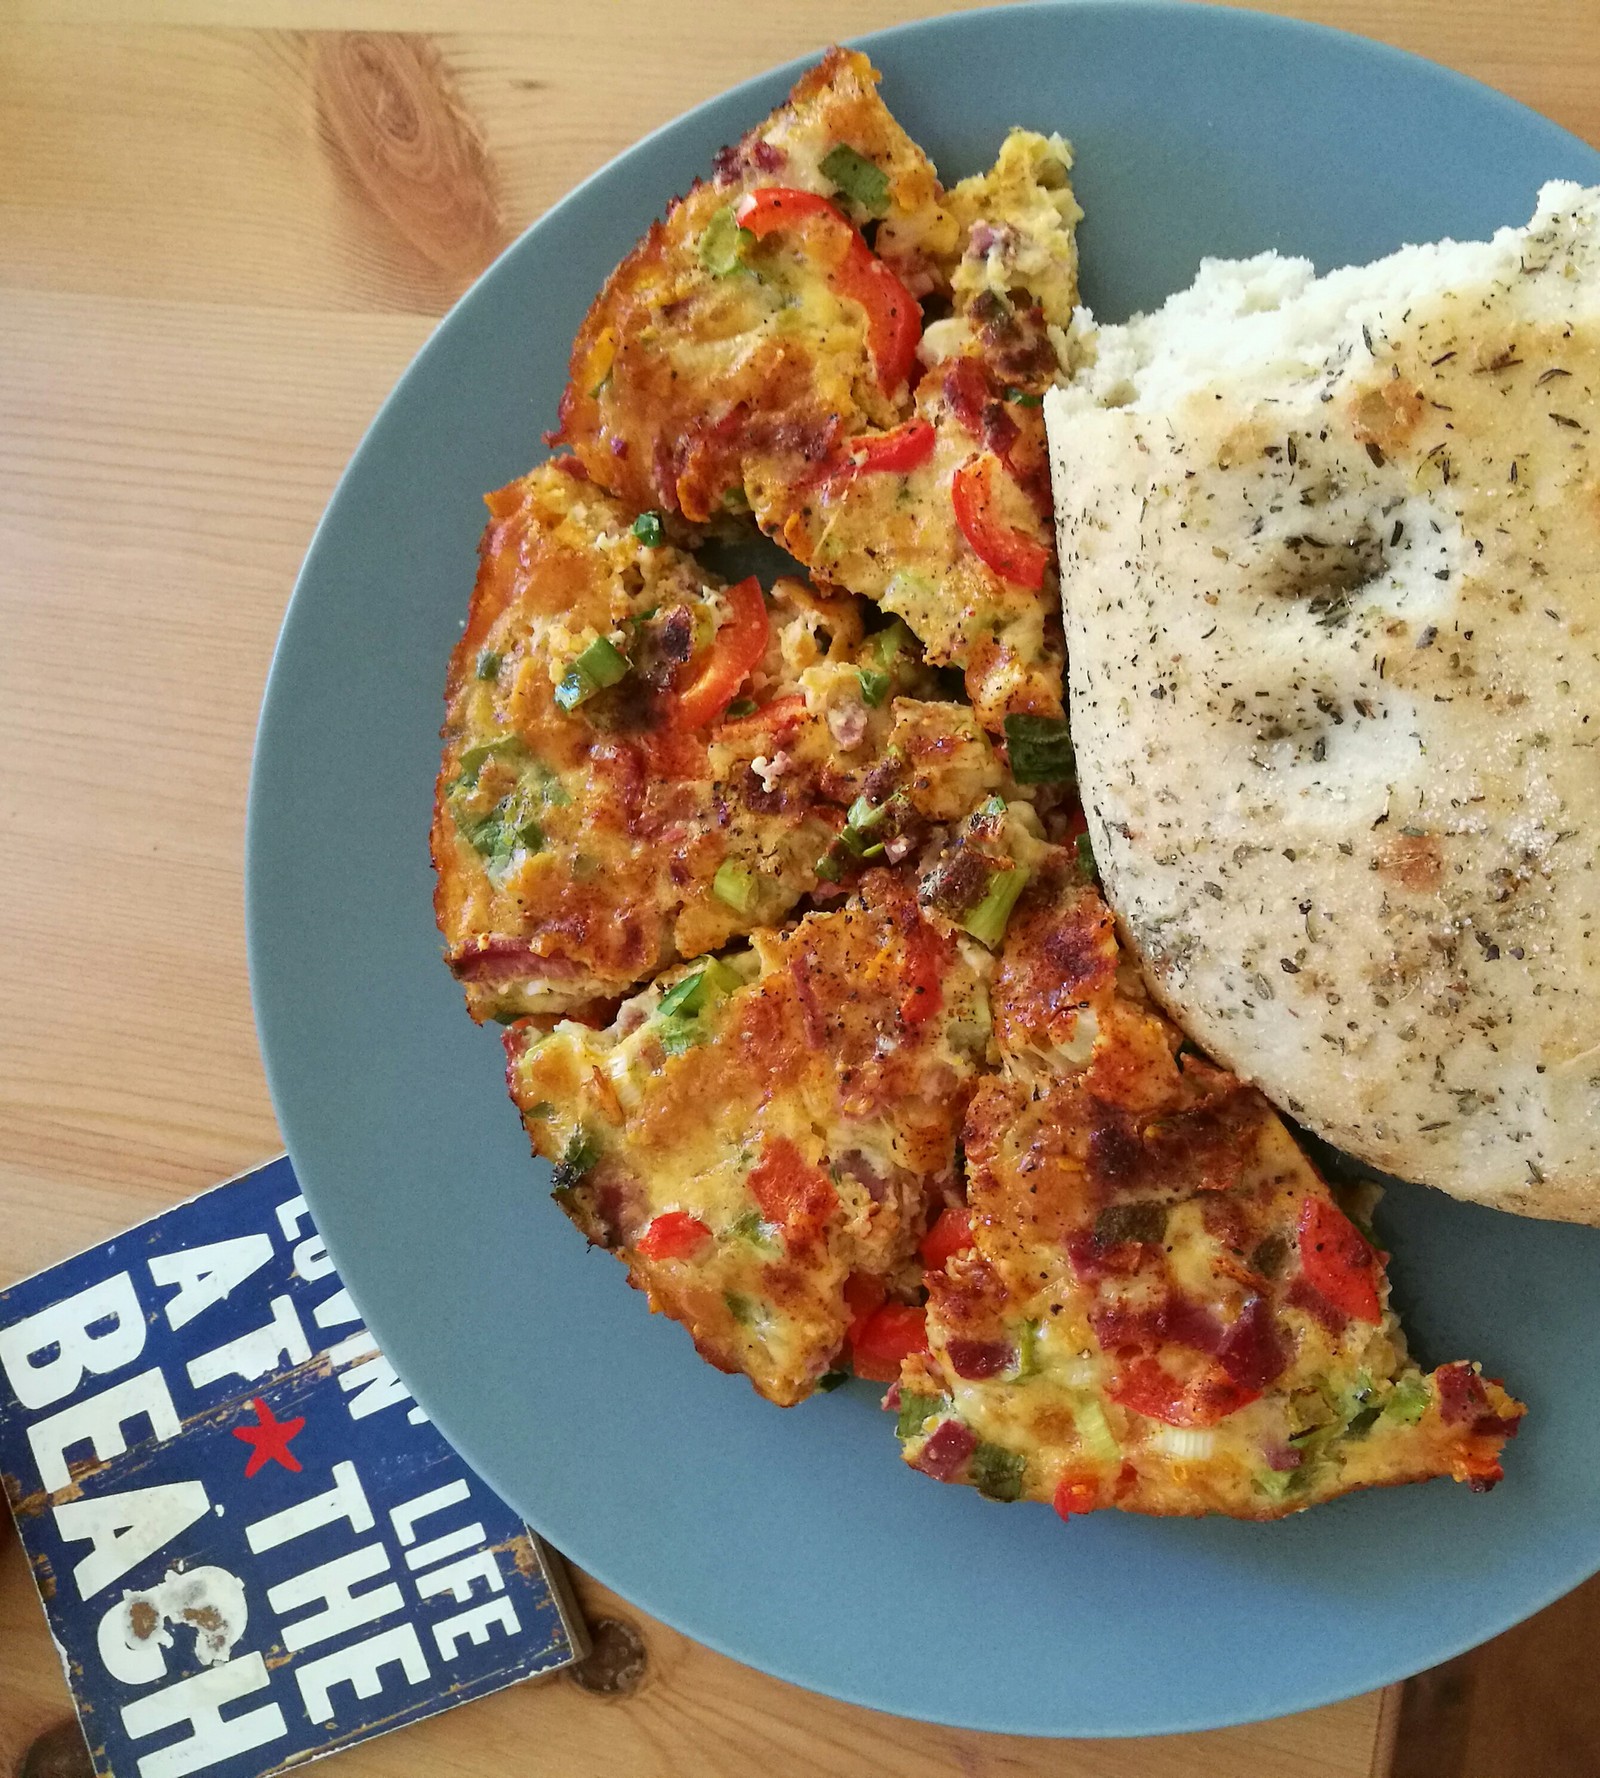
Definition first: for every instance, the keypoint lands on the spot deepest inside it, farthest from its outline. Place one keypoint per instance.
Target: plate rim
(272, 720)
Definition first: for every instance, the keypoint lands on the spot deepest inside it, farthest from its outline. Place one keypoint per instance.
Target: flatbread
(1331, 570)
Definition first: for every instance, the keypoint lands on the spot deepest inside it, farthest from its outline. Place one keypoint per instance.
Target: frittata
(605, 804)
(1153, 1302)
(755, 354)
(761, 1136)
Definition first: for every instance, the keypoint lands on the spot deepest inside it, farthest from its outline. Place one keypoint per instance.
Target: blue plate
(797, 1541)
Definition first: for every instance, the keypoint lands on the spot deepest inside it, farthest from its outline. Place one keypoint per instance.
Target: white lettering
(198, 1702)
(473, 1626)
(464, 1537)
(311, 1261)
(290, 1214)
(282, 1341)
(346, 1499)
(65, 1327)
(126, 1528)
(358, 1667)
(409, 1514)
(99, 1421)
(456, 1578)
(334, 1310)
(206, 1275)
(353, 1349)
(372, 1386)
(330, 1582)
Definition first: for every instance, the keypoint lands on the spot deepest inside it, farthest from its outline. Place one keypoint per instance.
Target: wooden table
(225, 226)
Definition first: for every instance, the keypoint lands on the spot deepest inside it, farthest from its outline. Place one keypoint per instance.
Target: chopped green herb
(742, 707)
(722, 246)
(1277, 1484)
(993, 805)
(1145, 1219)
(488, 663)
(915, 1412)
(475, 757)
(1041, 750)
(874, 686)
(752, 1227)
(580, 1154)
(828, 868)
(1087, 868)
(857, 177)
(739, 1307)
(1023, 399)
(599, 666)
(987, 920)
(1408, 1400)
(543, 1109)
(831, 1380)
(649, 530)
(736, 886)
(1362, 1423)
(997, 1472)
(888, 644)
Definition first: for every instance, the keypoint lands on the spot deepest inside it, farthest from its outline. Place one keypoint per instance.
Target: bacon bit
(889, 1336)
(1300, 1295)
(1462, 1395)
(947, 1449)
(976, 1359)
(810, 1013)
(1252, 1351)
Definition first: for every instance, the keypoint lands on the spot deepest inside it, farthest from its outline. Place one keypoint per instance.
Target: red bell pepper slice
(924, 974)
(789, 1189)
(897, 452)
(739, 646)
(888, 1335)
(1148, 1388)
(776, 717)
(1338, 1261)
(1012, 554)
(894, 322)
(674, 1234)
(951, 1233)
(1076, 1494)
(863, 1296)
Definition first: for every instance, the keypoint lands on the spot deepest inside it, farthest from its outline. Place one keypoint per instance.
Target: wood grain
(225, 227)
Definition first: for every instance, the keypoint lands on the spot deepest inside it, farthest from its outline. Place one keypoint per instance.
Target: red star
(270, 1439)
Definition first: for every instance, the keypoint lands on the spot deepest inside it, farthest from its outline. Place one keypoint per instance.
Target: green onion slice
(1041, 750)
(649, 530)
(857, 177)
(987, 920)
(736, 886)
(723, 244)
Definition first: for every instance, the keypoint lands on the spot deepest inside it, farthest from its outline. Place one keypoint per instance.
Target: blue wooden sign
(252, 1545)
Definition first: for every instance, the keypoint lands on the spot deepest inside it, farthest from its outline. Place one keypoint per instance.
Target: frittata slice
(754, 353)
(760, 1137)
(947, 520)
(606, 804)
(1156, 1304)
